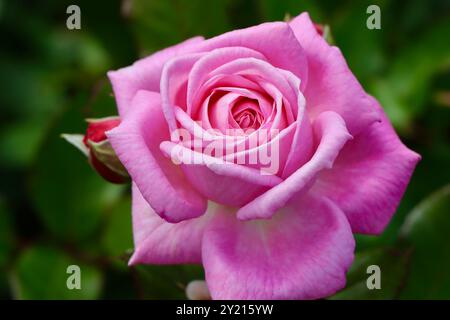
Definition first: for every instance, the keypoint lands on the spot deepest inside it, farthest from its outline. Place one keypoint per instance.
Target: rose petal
(260, 90)
(218, 180)
(136, 142)
(157, 241)
(174, 85)
(301, 253)
(275, 40)
(331, 132)
(271, 78)
(331, 85)
(266, 150)
(144, 74)
(263, 70)
(301, 148)
(370, 176)
(209, 62)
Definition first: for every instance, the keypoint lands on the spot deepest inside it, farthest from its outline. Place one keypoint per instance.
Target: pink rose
(336, 164)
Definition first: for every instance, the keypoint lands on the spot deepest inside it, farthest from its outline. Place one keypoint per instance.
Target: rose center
(246, 113)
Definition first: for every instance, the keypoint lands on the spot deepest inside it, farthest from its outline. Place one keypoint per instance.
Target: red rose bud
(324, 31)
(319, 28)
(97, 127)
(95, 145)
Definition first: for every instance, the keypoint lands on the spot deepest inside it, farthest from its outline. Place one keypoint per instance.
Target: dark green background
(55, 211)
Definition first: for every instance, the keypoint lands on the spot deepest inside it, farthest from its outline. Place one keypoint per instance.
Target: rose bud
(95, 145)
(319, 28)
(324, 31)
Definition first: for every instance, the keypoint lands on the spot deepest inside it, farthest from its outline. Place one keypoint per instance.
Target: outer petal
(136, 142)
(144, 74)
(275, 40)
(217, 179)
(301, 253)
(370, 176)
(330, 131)
(331, 85)
(160, 242)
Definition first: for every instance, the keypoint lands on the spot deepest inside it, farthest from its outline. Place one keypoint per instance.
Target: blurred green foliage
(55, 211)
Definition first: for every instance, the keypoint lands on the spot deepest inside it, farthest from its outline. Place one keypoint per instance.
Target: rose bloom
(341, 168)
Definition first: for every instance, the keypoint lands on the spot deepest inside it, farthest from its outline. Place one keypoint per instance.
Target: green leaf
(6, 234)
(392, 263)
(273, 10)
(166, 282)
(427, 229)
(77, 141)
(41, 273)
(78, 49)
(416, 267)
(156, 26)
(118, 238)
(69, 196)
(361, 47)
(403, 92)
(19, 142)
(102, 103)
(29, 99)
(6, 247)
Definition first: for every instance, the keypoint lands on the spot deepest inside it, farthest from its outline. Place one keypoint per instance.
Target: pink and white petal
(331, 84)
(331, 134)
(145, 74)
(136, 142)
(216, 113)
(303, 252)
(370, 176)
(157, 241)
(209, 62)
(301, 148)
(174, 82)
(261, 69)
(274, 40)
(217, 179)
(223, 81)
(302, 143)
(265, 151)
